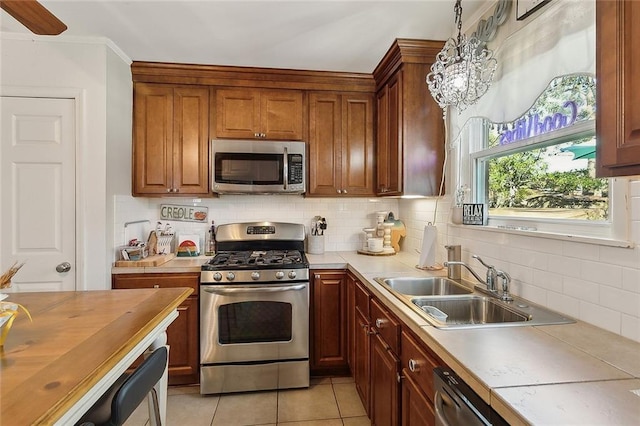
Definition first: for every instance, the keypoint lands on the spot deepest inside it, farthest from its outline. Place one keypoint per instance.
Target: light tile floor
(327, 402)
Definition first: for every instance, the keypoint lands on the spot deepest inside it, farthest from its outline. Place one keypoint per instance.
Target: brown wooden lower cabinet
(419, 363)
(182, 335)
(329, 350)
(416, 410)
(385, 388)
(391, 367)
(360, 371)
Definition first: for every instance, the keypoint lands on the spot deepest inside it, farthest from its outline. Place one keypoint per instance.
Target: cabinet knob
(169, 189)
(339, 191)
(413, 365)
(379, 322)
(344, 191)
(156, 286)
(257, 135)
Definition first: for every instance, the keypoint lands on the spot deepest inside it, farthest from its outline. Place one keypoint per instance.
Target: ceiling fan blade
(34, 16)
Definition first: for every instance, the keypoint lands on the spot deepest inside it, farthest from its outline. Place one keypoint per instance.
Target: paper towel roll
(428, 253)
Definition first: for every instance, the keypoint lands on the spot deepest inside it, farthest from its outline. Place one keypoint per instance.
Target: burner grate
(257, 258)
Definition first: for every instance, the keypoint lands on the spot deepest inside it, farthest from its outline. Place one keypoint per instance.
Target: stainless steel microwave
(257, 167)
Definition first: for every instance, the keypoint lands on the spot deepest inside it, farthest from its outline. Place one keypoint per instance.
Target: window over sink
(537, 172)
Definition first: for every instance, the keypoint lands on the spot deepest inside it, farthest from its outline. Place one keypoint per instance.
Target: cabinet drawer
(418, 364)
(386, 325)
(362, 300)
(157, 280)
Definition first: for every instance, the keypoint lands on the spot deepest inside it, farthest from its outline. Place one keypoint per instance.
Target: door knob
(63, 267)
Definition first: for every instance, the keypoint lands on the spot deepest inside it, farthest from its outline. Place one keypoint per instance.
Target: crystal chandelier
(463, 70)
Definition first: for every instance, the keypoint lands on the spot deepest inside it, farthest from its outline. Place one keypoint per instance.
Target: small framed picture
(524, 8)
(473, 214)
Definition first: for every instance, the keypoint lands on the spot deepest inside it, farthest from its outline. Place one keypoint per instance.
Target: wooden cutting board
(154, 260)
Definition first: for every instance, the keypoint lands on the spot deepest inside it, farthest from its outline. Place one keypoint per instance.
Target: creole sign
(183, 213)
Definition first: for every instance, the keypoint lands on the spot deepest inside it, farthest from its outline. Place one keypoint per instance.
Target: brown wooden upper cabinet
(341, 147)
(259, 114)
(410, 131)
(618, 88)
(170, 140)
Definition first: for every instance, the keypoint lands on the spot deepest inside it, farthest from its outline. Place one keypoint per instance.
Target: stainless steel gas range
(254, 310)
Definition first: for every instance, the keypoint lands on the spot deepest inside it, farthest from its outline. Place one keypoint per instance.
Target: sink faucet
(492, 276)
(506, 280)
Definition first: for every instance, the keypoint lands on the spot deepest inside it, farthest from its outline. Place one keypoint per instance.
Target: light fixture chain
(458, 13)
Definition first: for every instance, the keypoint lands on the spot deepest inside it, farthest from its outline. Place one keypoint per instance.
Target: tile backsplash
(594, 283)
(345, 216)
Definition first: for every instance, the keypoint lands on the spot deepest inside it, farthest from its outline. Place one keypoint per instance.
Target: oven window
(254, 322)
(249, 169)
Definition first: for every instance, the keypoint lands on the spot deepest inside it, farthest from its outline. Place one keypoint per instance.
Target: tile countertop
(558, 374)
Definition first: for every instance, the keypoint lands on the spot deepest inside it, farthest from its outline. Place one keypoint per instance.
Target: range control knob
(231, 276)
(255, 276)
(292, 274)
(279, 275)
(217, 276)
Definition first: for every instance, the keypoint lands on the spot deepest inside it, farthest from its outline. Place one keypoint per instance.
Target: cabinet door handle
(413, 365)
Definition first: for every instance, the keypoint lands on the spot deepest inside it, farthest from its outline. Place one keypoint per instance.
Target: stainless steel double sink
(449, 304)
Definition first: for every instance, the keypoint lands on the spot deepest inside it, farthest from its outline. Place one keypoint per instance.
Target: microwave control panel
(296, 169)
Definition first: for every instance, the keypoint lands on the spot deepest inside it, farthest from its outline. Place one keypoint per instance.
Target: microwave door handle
(286, 167)
(267, 289)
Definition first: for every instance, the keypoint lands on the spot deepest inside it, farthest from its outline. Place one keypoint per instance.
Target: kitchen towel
(428, 253)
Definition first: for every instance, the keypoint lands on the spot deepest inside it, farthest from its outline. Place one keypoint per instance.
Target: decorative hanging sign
(534, 125)
(183, 213)
(473, 214)
(487, 28)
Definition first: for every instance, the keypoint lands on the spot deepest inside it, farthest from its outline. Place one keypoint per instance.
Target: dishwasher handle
(439, 403)
(267, 289)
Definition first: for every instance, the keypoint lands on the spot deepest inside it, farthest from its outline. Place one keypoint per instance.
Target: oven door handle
(235, 290)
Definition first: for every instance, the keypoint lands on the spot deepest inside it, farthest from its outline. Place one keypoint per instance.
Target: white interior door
(37, 192)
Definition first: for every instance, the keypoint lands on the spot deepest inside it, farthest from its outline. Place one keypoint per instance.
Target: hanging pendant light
(463, 70)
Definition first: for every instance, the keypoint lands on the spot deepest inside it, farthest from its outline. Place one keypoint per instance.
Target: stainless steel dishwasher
(456, 404)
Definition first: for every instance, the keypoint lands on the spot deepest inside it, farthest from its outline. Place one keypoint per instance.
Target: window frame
(614, 229)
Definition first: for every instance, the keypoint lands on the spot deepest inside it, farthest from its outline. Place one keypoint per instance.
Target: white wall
(595, 283)
(53, 65)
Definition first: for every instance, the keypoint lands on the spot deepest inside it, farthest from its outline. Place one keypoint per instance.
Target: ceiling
(349, 36)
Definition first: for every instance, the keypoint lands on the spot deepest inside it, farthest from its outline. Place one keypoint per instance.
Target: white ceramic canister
(375, 245)
(315, 244)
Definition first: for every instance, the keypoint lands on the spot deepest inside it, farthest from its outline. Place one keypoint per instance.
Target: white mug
(375, 244)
